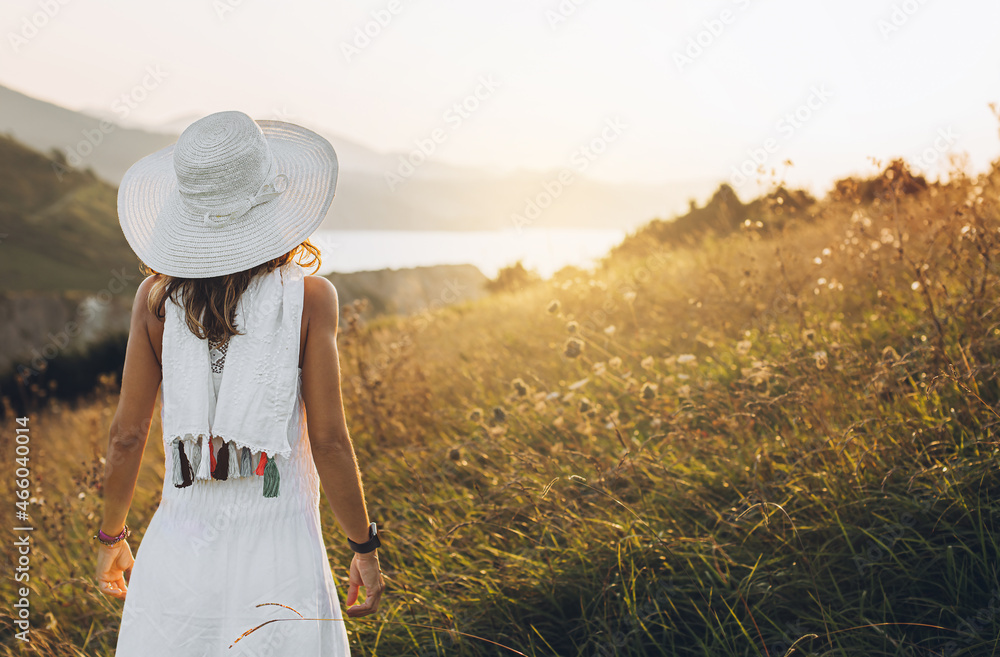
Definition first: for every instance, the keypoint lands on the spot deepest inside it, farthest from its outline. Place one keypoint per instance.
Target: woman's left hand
(113, 561)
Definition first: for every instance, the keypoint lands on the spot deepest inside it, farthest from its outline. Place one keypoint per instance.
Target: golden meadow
(774, 436)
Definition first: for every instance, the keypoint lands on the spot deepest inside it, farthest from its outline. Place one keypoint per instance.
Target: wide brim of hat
(174, 240)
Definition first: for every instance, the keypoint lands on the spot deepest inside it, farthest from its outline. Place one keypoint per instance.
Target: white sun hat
(232, 193)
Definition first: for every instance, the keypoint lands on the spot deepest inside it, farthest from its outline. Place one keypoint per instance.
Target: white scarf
(258, 393)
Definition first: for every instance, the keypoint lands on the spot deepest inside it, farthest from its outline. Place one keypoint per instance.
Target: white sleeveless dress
(216, 548)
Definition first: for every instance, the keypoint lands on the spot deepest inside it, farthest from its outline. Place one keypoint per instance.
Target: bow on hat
(270, 189)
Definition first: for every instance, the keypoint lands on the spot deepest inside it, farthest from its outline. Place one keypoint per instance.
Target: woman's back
(220, 547)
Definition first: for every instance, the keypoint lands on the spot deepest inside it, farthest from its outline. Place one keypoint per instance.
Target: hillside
(59, 226)
(408, 291)
(785, 434)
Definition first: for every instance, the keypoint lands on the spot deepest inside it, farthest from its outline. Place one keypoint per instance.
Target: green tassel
(271, 478)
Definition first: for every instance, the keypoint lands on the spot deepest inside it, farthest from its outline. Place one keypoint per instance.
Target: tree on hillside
(513, 277)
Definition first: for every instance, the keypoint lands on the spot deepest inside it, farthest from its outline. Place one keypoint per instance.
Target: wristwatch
(369, 545)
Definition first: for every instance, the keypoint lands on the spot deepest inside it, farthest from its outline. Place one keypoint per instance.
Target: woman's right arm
(332, 449)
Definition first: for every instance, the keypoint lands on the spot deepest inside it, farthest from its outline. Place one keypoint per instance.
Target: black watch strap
(369, 545)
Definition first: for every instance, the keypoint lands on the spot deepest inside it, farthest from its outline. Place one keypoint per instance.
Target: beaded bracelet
(111, 540)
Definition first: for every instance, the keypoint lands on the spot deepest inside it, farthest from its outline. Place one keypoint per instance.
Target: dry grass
(787, 435)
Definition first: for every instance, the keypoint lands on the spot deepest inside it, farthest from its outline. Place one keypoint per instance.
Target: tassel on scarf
(186, 472)
(271, 478)
(246, 467)
(178, 473)
(195, 458)
(234, 461)
(211, 452)
(221, 470)
(261, 464)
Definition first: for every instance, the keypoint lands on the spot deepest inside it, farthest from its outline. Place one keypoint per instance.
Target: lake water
(545, 250)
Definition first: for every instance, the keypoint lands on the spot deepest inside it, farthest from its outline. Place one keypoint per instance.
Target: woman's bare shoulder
(141, 301)
(319, 299)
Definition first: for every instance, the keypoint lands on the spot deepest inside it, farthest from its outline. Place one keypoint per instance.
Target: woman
(244, 342)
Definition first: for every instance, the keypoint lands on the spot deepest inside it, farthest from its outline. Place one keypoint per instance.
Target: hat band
(272, 188)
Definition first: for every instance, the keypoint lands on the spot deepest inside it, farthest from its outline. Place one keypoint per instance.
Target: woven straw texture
(216, 166)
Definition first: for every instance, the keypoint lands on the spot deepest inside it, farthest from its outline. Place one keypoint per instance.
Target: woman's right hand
(365, 571)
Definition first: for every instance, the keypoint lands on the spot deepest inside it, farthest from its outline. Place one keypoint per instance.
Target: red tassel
(262, 464)
(211, 451)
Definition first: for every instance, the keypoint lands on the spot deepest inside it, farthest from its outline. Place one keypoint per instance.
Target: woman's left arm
(141, 378)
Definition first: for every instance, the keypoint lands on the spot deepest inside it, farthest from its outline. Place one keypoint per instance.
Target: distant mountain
(44, 126)
(435, 196)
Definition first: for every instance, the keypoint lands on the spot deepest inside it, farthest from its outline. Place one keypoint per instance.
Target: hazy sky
(867, 78)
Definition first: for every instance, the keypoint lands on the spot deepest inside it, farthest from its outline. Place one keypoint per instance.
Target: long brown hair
(214, 299)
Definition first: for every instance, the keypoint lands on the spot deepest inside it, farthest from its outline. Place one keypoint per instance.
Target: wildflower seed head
(890, 355)
(648, 391)
(476, 414)
(499, 415)
(615, 363)
(572, 327)
(647, 363)
(519, 386)
(553, 306)
(573, 348)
